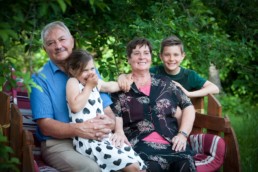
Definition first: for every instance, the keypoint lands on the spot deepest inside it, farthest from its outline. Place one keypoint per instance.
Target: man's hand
(96, 128)
(125, 81)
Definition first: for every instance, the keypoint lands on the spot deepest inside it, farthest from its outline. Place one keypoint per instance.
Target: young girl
(84, 103)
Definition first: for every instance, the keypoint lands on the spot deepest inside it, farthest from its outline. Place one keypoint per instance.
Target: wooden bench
(210, 122)
(20, 140)
(5, 114)
(214, 123)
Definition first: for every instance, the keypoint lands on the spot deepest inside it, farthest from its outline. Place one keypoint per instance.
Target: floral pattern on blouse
(144, 114)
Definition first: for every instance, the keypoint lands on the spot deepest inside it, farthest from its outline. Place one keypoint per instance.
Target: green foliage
(19, 36)
(220, 32)
(194, 22)
(239, 20)
(7, 163)
(243, 117)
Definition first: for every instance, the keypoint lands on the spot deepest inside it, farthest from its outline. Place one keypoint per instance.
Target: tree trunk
(214, 76)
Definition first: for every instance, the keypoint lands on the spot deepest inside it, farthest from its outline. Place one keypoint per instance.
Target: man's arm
(96, 128)
(125, 81)
(110, 86)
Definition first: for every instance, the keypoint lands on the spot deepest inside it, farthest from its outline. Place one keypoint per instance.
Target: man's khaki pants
(59, 154)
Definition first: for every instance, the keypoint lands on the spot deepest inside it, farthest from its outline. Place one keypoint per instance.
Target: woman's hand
(179, 143)
(118, 139)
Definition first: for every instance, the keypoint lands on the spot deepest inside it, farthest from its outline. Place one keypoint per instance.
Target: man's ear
(74, 42)
(43, 47)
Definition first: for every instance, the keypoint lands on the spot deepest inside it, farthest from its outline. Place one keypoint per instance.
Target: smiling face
(58, 44)
(140, 58)
(172, 57)
(84, 74)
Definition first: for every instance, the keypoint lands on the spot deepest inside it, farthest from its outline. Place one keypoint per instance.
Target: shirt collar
(54, 67)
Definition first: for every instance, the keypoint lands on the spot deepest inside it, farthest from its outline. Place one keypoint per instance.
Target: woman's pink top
(154, 136)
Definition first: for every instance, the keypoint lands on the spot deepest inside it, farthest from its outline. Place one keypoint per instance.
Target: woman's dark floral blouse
(144, 114)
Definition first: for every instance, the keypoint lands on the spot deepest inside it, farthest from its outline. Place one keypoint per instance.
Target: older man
(50, 111)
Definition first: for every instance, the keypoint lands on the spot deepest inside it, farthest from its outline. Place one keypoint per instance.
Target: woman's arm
(119, 138)
(187, 121)
(185, 128)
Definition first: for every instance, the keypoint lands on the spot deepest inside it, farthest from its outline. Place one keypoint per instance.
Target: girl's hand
(92, 80)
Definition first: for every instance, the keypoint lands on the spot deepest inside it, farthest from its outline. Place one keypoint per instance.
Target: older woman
(148, 111)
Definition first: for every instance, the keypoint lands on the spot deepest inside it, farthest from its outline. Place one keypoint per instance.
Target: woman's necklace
(142, 82)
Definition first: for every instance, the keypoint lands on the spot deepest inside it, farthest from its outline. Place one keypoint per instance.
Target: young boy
(172, 54)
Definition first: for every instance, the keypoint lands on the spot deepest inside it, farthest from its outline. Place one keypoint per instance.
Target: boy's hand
(187, 93)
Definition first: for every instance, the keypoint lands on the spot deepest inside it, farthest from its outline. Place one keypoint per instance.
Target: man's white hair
(51, 26)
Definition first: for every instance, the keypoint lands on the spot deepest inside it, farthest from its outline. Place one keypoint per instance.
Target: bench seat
(212, 149)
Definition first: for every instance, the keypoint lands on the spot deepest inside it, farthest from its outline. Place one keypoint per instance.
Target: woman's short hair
(135, 42)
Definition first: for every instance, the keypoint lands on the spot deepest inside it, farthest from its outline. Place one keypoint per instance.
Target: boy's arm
(208, 88)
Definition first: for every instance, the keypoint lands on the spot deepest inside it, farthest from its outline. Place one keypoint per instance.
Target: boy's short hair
(171, 41)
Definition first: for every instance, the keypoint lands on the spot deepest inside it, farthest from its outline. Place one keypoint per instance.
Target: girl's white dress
(107, 156)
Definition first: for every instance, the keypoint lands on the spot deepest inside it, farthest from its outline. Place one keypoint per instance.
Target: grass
(244, 119)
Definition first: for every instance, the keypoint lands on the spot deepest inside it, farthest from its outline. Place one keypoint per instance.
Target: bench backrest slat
(5, 113)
